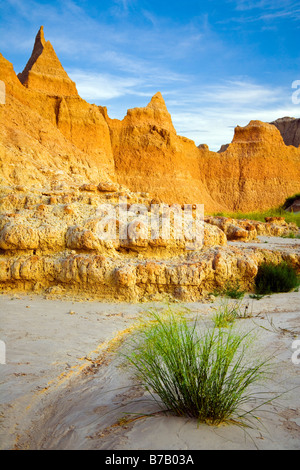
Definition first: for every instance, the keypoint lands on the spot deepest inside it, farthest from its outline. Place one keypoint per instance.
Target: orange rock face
(44, 71)
(257, 171)
(50, 136)
(63, 162)
(150, 156)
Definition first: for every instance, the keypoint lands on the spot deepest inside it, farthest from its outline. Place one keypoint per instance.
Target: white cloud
(210, 114)
(266, 10)
(96, 86)
(241, 93)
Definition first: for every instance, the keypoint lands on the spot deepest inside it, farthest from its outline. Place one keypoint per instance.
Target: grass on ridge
(260, 215)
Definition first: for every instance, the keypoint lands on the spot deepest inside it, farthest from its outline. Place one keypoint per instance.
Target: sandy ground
(63, 384)
(270, 243)
(63, 387)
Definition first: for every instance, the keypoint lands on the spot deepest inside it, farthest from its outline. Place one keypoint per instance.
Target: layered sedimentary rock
(149, 154)
(246, 230)
(50, 137)
(65, 166)
(70, 242)
(91, 219)
(289, 128)
(256, 171)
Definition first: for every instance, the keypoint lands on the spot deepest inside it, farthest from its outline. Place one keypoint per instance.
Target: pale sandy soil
(271, 243)
(62, 386)
(55, 395)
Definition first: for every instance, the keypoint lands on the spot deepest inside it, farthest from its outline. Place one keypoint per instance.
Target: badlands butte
(61, 158)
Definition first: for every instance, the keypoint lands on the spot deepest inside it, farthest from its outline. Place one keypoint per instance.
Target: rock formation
(150, 156)
(223, 148)
(255, 172)
(289, 128)
(248, 175)
(59, 242)
(63, 162)
(293, 204)
(44, 71)
(53, 137)
(61, 136)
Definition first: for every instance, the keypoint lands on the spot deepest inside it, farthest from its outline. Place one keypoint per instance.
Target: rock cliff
(48, 137)
(46, 125)
(44, 71)
(150, 156)
(256, 171)
(289, 128)
(63, 161)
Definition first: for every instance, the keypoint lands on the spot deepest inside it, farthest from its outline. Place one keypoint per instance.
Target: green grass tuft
(206, 375)
(227, 312)
(231, 289)
(272, 278)
(256, 296)
(291, 235)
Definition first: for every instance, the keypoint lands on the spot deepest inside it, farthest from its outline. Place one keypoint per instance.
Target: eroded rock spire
(44, 72)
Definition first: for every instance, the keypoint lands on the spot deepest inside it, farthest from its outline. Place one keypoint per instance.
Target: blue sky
(218, 64)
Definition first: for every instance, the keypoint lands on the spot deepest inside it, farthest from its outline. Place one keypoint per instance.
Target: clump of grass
(205, 375)
(291, 235)
(256, 296)
(224, 317)
(228, 312)
(272, 278)
(232, 290)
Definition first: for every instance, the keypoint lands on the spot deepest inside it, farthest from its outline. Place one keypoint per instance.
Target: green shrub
(272, 278)
(256, 296)
(207, 376)
(227, 312)
(291, 235)
(232, 290)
